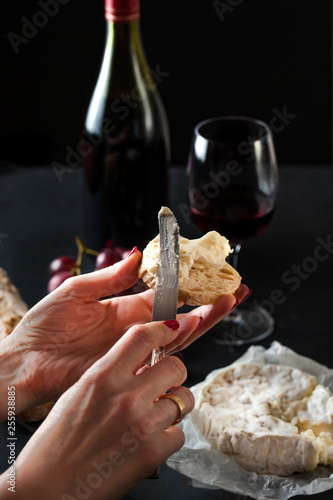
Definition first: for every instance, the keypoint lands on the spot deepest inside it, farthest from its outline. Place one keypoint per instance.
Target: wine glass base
(248, 323)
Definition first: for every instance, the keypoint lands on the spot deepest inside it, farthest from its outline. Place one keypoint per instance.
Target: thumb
(107, 281)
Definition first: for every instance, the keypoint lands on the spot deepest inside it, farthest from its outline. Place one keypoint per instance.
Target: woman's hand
(67, 331)
(110, 430)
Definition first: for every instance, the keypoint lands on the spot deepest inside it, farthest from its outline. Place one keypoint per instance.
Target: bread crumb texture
(204, 274)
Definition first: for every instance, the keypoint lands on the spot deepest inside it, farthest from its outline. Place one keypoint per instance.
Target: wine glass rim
(234, 118)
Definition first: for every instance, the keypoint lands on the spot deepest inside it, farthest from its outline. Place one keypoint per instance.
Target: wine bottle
(126, 139)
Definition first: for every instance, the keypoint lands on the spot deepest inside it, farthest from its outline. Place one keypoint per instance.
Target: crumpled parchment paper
(208, 468)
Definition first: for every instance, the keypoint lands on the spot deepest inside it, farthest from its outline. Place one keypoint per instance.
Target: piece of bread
(12, 307)
(36, 413)
(201, 279)
(203, 286)
(12, 310)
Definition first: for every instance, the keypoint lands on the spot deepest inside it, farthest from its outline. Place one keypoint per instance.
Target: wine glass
(232, 177)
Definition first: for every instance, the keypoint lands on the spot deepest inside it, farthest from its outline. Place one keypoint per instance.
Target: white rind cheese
(271, 419)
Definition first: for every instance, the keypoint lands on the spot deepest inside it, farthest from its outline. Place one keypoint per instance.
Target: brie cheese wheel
(272, 419)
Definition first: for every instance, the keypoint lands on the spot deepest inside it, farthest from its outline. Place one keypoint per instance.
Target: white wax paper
(208, 468)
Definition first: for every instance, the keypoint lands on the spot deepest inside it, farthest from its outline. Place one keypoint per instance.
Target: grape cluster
(66, 266)
(60, 269)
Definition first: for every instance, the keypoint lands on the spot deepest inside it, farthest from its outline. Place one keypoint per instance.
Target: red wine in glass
(238, 213)
(232, 185)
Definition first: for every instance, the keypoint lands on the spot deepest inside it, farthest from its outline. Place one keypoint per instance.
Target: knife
(166, 289)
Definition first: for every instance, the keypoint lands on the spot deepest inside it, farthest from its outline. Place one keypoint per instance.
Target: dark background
(247, 57)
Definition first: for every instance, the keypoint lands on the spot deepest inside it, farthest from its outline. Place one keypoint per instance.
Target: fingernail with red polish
(172, 324)
(247, 295)
(132, 252)
(200, 320)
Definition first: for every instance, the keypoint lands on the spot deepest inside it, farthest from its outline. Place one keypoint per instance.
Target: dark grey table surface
(40, 217)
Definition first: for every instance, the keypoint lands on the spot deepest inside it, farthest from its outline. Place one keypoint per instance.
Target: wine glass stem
(233, 257)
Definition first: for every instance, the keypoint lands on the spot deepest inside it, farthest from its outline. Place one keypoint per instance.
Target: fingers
(189, 326)
(215, 313)
(242, 293)
(172, 408)
(171, 440)
(160, 378)
(125, 399)
(130, 352)
(122, 367)
(106, 282)
(210, 315)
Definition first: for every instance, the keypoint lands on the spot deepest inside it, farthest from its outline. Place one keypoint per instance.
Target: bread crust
(12, 307)
(203, 286)
(36, 413)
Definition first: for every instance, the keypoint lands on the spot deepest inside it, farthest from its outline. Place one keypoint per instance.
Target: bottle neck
(124, 41)
(123, 30)
(126, 34)
(122, 11)
(123, 25)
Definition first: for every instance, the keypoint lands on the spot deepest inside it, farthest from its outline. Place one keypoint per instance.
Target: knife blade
(166, 289)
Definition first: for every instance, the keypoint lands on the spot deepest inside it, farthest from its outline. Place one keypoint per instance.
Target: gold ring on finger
(181, 406)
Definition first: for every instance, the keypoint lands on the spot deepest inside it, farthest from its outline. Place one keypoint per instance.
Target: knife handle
(157, 355)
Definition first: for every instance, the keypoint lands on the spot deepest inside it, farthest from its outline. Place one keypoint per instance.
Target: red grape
(107, 257)
(123, 251)
(62, 263)
(109, 243)
(58, 279)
